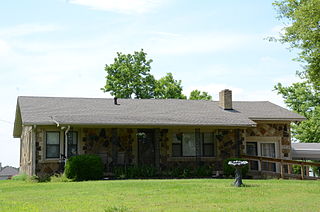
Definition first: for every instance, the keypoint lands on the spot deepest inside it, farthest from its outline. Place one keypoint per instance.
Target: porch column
(238, 143)
(114, 141)
(157, 148)
(198, 146)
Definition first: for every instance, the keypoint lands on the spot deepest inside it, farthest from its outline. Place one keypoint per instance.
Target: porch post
(237, 141)
(198, 145)
(157, 148)
(114, 141)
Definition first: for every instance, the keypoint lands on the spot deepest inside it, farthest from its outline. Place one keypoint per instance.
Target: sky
(60, 48)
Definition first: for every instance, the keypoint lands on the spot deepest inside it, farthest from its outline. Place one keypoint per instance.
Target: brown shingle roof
(103, 111)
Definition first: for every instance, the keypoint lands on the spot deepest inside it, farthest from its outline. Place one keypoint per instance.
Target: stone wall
(224, 143)
(113, 152)
(26, 152)
(274, 130)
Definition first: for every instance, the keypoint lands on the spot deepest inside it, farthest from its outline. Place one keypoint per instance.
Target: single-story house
(163, 133)
(8, 172)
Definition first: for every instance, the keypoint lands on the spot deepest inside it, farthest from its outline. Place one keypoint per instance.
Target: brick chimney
(225, 99)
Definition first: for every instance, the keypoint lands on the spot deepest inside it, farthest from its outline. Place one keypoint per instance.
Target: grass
(160, 195)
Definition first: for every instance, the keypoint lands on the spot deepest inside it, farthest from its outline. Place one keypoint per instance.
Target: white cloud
(4, 48)
(198, 43)
(26, 29)
(120, 6)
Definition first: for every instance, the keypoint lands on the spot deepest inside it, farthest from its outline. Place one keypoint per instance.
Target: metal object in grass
(237, 164)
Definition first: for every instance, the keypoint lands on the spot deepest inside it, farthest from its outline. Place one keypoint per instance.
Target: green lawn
(161, 195)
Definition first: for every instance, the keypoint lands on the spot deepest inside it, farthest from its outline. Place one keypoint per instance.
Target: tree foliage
(303, 32)
(302, 98)
(129, 77)
(168, 88)
(197, 95)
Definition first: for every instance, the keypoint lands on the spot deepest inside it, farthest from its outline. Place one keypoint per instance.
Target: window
(52, 144)
(268, 150)
(207, 145)
(184, 144)
(188, 144)
(72, 138)
(252, 148)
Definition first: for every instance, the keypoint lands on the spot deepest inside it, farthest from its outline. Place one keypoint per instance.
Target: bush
(84, 167)
(59, 178)
(132, 172)
(20, 177)
(296, 169)
(230, 170)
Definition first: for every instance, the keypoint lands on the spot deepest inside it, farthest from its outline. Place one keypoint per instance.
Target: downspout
(66, 145)
(55, 121)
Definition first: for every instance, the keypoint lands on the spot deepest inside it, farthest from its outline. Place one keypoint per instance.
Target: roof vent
(115, 100)
(225, 99)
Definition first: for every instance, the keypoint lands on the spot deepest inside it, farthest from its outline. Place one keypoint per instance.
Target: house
(7, 172)
(163, 133)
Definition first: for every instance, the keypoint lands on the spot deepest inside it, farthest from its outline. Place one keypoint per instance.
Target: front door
(146, 148)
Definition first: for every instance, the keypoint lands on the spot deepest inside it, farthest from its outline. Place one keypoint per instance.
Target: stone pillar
(238, 143)
(157, 147)
(198, 145)
(114, 141)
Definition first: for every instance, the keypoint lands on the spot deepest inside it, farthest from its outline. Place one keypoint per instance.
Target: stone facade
(279, 132)
(26, 153)
(119, 146)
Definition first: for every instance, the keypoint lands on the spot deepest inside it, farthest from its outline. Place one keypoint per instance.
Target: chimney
(0, 166)
(225, 99)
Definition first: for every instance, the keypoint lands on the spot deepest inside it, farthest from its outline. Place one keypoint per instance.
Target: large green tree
(168, 88)
(302, 32)
(197, 95)
(129, 76)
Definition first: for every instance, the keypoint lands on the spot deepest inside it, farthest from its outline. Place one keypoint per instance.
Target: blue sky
(60, 48)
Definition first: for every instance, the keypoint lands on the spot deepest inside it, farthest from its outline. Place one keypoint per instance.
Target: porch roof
(135, 112)
(305, 151)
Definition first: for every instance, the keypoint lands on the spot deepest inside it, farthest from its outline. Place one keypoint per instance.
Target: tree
(196, 94)
(129, 76)
(302, 98)
(168, 88)
(303, 32)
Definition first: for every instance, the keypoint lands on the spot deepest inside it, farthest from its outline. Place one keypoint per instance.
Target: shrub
(59, 178)
(132, 172)
(296, 169)
(84, 167)
(20, 177)
(230, 170)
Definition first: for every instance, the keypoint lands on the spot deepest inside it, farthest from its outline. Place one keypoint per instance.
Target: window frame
(48, 145)
(179, 145)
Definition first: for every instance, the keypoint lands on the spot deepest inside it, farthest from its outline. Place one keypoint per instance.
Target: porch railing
(282, 162)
